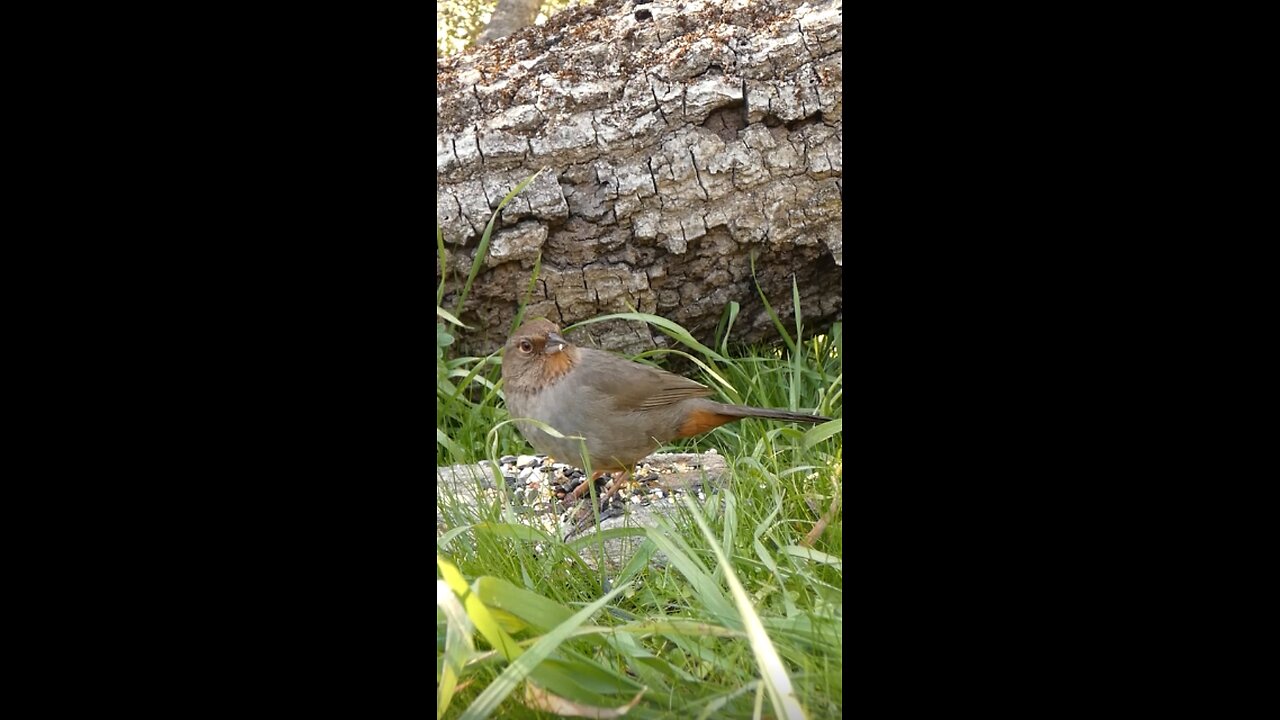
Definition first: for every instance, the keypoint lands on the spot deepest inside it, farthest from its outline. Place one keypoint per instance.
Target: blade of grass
(528, 293)
(722, 700)
(726, 325)
(442, 313)
(797, 352)
(443, 541)
(517, 531)
(709, 593)
(536, 610)
(480, 616)
(458, 645)
(705, 368)
(578, 544)
(730, 519)
(499, 689)
(639, 561)
(448, 443)
(818, 433)
(493, 442)
(795, 304)
(814, 555)
(668, 327)
(766, 557)
(777, 322)
(444, 266)
(777, 680)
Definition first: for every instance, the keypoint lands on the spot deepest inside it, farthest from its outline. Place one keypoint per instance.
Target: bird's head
(536, 355)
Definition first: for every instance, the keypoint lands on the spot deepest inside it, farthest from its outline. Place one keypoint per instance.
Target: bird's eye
(526, 346)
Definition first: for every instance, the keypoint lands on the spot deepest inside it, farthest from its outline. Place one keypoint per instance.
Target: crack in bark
(697, 174)
(657, 105)
(803, 39)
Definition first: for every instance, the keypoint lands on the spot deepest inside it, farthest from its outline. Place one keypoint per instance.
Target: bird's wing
(680, 389)
(636, 386)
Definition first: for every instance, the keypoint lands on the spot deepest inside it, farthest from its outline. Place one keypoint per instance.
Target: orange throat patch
(557, 365)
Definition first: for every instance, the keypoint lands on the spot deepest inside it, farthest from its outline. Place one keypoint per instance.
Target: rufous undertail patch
(700, 421)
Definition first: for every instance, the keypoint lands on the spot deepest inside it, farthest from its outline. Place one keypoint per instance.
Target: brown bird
(623, 409)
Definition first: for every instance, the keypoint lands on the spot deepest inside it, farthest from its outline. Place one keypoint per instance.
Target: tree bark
(508, 17)
(680, 140)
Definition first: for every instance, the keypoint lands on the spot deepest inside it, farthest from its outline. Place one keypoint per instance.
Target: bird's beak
(555, 343)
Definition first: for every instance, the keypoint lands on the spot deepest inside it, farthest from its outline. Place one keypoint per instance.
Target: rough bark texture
(508, 17)
(679, 138)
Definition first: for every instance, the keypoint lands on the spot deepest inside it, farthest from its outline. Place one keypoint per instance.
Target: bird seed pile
(538, 486)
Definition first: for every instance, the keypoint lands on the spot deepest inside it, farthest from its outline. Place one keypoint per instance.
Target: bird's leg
(585, 487)
(584, 514)
(613, 487)
(582, 489)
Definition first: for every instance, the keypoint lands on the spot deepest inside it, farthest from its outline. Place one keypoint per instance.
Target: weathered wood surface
(680, 139)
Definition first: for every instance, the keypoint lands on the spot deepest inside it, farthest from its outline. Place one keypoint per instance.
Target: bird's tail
(708, 414)
(743, 411)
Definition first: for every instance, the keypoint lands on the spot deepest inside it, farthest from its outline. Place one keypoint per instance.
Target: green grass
(726, 612)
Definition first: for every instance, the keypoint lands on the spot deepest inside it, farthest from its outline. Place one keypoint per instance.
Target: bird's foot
(583, 517)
